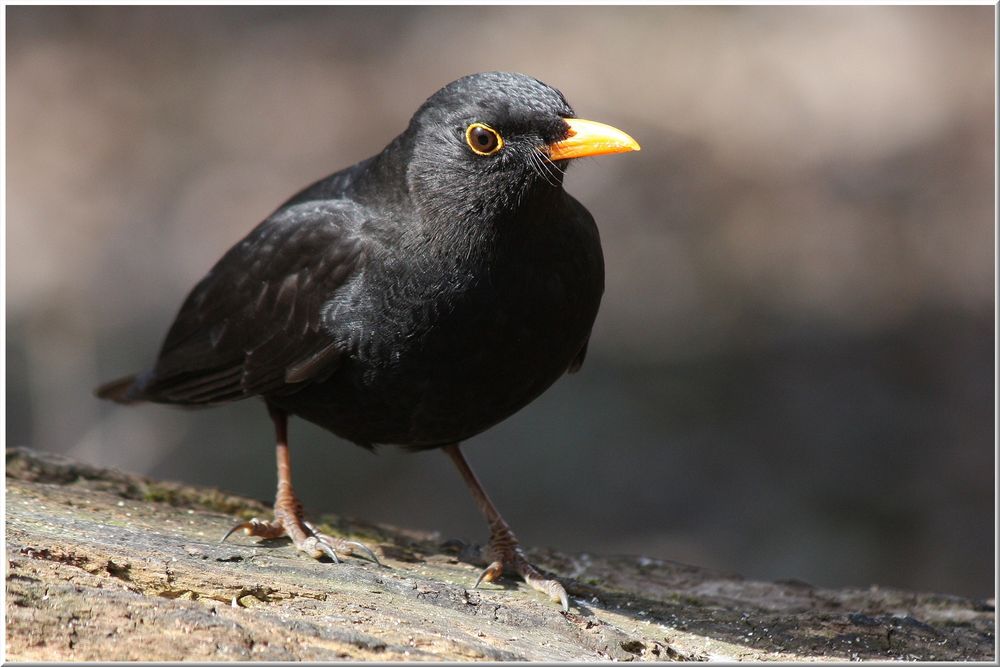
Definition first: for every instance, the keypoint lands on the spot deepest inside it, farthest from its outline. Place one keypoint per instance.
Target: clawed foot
(288, 520)
(504, 547)
(303, 535)
(509, 558)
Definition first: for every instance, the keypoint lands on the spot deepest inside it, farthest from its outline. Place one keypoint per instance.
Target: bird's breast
(442, 348)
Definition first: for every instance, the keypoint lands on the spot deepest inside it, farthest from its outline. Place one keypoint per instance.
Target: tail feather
(123, 390)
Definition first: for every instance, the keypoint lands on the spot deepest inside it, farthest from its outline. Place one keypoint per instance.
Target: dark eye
(483, 139)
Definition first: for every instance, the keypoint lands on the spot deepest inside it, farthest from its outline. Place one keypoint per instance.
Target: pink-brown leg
(504, 548)
(288, 517)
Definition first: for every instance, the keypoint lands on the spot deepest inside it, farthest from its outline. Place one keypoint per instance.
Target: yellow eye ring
(483, 139)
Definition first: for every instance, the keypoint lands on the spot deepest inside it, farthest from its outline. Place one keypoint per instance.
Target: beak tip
(587, 138)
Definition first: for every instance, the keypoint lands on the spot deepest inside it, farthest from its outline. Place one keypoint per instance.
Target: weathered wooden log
(103, 565)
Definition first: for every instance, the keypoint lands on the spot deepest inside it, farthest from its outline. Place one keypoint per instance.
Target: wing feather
(254, 325)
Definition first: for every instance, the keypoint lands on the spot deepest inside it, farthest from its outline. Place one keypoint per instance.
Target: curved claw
(327, 549)
(366, 550)
(558, 594)
(492, 571)
(550, 587)
(330, 543)
(239, 526)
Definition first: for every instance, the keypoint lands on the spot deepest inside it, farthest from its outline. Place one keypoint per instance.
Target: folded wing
(255, 324)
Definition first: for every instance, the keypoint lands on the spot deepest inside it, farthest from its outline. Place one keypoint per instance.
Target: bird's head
(487, 144)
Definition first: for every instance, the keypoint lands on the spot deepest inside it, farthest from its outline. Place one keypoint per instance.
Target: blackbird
(416, 298)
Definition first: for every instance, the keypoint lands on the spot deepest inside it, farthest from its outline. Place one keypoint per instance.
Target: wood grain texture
(103, 565)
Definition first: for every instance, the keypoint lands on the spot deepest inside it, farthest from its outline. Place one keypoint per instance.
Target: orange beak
(588, 138)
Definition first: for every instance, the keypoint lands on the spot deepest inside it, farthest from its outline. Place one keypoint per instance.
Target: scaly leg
(504, 548)
(288, 520)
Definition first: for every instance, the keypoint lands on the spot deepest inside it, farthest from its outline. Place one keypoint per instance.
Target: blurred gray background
(792, 372)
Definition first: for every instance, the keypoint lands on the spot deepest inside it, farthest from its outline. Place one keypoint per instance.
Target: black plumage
(416, 298)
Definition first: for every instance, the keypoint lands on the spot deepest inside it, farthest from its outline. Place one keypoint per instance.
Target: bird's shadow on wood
(721, 620)
(668, 594)
(793, 618)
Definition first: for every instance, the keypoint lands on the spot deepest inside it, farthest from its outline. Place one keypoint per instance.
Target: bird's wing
(254, 325)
